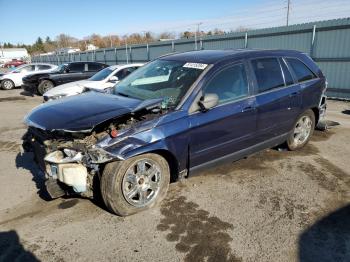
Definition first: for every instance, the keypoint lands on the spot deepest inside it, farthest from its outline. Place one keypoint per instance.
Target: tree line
(63, 40)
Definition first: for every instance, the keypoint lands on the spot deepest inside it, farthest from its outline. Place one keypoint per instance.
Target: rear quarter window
(301, 71)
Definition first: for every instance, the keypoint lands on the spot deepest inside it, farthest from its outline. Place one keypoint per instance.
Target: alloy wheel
(141, 182)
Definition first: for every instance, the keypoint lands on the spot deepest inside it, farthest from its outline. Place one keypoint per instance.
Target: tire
(7, 84)
(302, 131)
(44, 86)
(135, 184)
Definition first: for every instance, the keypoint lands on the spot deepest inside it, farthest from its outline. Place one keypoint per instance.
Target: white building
(67, 50)
(91, 47)
(7, 54)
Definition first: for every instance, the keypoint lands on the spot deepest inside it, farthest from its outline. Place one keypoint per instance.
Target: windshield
(60, 68)
(169, 80)
(103, 74)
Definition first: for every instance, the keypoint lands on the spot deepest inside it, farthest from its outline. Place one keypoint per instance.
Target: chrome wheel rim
(47, 86)
(302, 130)
(141, 182)
(7, 84)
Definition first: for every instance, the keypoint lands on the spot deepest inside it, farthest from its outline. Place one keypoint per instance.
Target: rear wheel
(136, 184)
(302, 131)
(45, 86)
(7, 84)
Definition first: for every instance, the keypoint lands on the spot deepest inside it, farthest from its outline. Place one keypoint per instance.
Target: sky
(22, 21)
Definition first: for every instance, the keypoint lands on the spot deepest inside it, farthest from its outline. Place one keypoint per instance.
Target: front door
(228, 127)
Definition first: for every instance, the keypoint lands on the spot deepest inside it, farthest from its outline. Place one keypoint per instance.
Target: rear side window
(268, 74)
(301, 71)
(44, 67)
(78, 67)
(95, 67)
(230, 84)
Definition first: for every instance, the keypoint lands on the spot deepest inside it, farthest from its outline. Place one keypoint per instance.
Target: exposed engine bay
(73, 161)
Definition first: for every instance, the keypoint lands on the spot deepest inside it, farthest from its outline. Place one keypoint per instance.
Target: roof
(113, 67)
(13, 49)
(215, 56)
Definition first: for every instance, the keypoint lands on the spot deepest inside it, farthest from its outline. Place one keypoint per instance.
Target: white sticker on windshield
(195, 65)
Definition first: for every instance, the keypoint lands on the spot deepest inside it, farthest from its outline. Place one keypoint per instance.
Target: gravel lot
(273, 206)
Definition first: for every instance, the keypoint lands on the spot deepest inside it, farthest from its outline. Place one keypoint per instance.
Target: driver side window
(229, 84)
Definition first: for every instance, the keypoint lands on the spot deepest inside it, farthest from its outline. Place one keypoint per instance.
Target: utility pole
(288, 9)
(195, 36)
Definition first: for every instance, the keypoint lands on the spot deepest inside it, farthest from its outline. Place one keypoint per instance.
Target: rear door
(75, 73)
(230, 126)
(278, 98)
(310, 85)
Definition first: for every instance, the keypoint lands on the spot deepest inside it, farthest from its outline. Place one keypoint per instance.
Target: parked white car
(13, 78)
(100, 81)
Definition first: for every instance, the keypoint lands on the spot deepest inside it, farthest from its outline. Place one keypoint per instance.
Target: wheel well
(43, 79)
(6, 79)
(172, 161)
(316, 113)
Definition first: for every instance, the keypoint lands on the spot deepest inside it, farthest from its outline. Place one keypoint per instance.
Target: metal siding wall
(335, 43)
(121, 55)
(337, 74)
(99, 56)
(139, 54)
(300, 42)
(159, 50)
(332, 44)
(83, 56)
(219, 44)
(110, 56)
(183, 47)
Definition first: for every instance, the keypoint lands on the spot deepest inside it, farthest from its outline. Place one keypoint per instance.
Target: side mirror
(208, 101)
(113, 79)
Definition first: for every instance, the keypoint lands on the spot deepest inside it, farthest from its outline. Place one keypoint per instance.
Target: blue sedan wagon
(175, 115)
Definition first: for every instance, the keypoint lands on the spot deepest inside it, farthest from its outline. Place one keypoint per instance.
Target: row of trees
(63, 40)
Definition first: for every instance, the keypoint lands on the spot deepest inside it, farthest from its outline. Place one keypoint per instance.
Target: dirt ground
(273, 206)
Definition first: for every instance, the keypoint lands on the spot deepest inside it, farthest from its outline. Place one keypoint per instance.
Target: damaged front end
(70, 161)
(74, 161)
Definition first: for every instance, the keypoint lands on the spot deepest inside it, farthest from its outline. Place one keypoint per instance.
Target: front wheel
(45, 86)
(135, 184)
(302, 131)
(7, 84)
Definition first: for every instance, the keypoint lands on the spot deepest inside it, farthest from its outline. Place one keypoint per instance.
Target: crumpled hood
(83, 112)
(71, 88)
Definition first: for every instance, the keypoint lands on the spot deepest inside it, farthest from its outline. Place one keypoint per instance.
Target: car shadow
(11, 248)
(26, 93)
(328, 239)
(26, 161)
(346, 112)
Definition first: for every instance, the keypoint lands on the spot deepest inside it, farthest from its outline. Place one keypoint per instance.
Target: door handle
(248, 109)
(294, 94)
